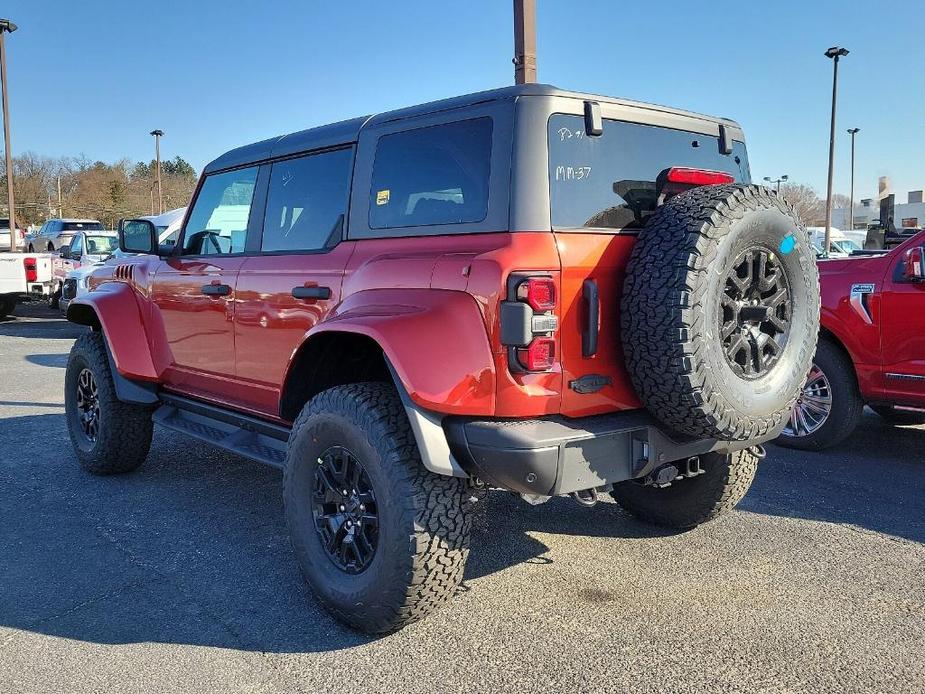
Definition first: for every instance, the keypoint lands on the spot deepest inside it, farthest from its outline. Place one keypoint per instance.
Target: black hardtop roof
(348, 131)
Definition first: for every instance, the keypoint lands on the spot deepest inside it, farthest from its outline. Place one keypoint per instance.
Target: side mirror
(137, 236)
(914, 269)
(65, 253)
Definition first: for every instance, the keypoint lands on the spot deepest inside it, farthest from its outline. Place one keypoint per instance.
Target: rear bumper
(557, 455)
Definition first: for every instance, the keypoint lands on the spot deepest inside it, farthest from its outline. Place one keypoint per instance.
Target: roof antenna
(524, 41)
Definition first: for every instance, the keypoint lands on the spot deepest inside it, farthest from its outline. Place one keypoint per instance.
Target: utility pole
(7, 27)
(157, 151)
(852, 132)
(60, 206)
(524, 41)
(835, 52)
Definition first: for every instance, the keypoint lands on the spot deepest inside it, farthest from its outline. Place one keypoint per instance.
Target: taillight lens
(539, 292)
(540, 355)
(698, 177)
(32, 271)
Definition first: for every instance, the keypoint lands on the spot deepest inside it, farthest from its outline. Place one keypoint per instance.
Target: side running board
(247, 436)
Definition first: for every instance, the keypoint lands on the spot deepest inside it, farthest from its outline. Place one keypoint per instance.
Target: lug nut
(342, 507)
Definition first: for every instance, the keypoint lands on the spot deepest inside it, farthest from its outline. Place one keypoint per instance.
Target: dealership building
(910, 213)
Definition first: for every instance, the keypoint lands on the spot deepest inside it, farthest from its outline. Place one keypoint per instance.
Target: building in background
(910, 213)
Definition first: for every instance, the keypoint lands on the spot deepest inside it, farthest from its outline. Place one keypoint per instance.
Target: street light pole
(835, 52)
(852, 132)
(524, 41)
(777, 181)
(7, 27)
(157, 151)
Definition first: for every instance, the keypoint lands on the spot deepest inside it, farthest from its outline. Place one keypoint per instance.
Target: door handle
(216, 289)
(311, 292)
(589, 334)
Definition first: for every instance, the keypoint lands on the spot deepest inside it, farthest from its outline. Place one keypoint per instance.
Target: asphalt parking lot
(179, 577)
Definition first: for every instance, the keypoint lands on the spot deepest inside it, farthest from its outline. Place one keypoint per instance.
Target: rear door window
(307, 202)
(432, 175)
(609, 181)
(217, 224)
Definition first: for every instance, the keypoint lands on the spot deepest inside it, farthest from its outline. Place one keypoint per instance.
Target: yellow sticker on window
(382, 197)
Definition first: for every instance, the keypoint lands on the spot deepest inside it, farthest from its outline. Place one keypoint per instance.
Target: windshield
(610, 181)
(845, 246)
(102, 245)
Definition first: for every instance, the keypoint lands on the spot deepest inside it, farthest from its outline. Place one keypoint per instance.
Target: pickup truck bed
(24, 275)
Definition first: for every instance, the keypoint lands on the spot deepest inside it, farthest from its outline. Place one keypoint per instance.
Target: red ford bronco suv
(871, 346)
(528, 289)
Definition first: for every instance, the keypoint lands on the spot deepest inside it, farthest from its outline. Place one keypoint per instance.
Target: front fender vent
(124, 273)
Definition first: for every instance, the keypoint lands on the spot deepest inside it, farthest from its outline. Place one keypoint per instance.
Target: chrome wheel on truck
(813, 407)
(829, 406)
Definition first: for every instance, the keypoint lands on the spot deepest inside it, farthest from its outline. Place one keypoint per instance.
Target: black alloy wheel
(88, 405)
(344, 509)
(755, 313)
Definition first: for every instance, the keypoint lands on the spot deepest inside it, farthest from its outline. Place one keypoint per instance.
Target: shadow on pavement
(192, 548)
(873, 480)
(58, 361)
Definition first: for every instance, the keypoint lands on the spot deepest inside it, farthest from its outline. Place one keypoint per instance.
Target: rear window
(433, 175)
(81, 226)
(609, 181)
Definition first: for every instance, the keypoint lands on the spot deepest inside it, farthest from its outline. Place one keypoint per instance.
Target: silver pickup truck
(56, 233)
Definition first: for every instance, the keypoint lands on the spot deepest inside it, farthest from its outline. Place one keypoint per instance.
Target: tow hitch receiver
(666, 474)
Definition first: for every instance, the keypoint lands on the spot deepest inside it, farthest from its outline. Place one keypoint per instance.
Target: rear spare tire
(720, 312)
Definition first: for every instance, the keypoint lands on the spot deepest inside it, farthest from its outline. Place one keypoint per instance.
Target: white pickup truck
(24, 275)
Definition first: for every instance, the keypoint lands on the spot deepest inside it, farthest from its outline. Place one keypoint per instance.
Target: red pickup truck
(871, 346)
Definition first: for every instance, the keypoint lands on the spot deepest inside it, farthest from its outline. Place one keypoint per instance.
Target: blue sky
(95, 77)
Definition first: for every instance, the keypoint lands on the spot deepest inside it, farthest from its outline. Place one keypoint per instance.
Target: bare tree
(91, 188)
(810, 208)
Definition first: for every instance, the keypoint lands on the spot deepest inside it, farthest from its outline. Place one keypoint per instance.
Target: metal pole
(157, 151)
(7, 26)
(835, 53)
(524, 41)
(852, 132)
(60, 206)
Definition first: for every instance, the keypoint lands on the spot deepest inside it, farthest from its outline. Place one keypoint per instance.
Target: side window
(218, 222)
(433, 175)
(77, 246)
(307, 201)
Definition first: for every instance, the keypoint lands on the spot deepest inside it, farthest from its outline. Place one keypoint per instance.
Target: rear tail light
(539, 292)
(540, 355)
(698, 177)
(32, 269)
(529, 323)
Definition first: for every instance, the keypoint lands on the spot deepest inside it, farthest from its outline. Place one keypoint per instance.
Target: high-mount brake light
(539, 292)
(32, 269)
(540, 355)
(698, 177)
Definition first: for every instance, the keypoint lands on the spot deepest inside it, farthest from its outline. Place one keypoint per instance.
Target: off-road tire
(900, 417)
(671, 308)
(125, 429)
(847, 404)
(423, 519)
(692, 501)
